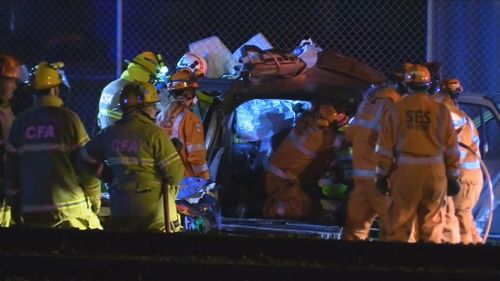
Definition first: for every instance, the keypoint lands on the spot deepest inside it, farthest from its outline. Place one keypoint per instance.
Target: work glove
(453, 187)
(382, 185)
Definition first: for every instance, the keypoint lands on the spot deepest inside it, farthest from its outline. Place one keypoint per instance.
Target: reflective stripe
(471, 165)
(169, 160)
(364, 173)
(276, 171)
(475, 140)
(130, 161)
(298, 142)
(113, 114)
(177, 122)
(40, 147)
(383, 151)
(368, 124)
(199, 168)
(405, 159)
(458, 120)
(43, 208)
(195, 147)
(85, 155)
(463, 154)
(373, 124)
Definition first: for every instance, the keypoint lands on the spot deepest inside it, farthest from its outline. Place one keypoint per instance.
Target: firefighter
(142, 160)
(43, 185)
(300, 160)
(183, 126)
(417, 147)
(143, 68)
(10, 70)
(365, 203)
(471, 176)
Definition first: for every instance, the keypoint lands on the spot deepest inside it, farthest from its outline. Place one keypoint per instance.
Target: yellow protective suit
(296, 166)
(418, 144)
(365, 203)
(471, 176)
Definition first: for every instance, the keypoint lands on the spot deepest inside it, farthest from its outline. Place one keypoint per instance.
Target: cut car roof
(334, 78)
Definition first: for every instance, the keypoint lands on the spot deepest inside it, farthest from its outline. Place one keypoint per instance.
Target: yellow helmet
(417, 74)
(47, 75)
(138, 94)
(143, 67)
(9, 66)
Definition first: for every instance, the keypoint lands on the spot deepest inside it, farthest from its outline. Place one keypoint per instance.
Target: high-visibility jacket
(41, 162)
(418, 130)
(186, 126)
(6, 120)
(108, 103)
(364, 128)
(141, 158)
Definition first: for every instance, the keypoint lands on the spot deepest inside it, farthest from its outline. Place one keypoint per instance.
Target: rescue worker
(471, 176)
(293, 170)
(365, 203)
(10, 71)
(43, 184)
(183, 126)
(143, 68)
(142, 160)
(417, 147)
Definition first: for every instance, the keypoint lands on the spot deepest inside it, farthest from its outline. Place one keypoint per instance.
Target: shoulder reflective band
(177, 123)
(113, 114)
(471, 165)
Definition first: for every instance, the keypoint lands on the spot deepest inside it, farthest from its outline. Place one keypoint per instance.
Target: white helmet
(195, 63)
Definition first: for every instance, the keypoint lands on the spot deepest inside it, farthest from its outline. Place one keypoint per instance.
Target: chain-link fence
(464, 36)
(83, 33)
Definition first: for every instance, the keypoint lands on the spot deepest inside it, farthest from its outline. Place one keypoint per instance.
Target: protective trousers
(451, 230)
(471, 182)
(418, 193)
(365, 202)
(287, 200)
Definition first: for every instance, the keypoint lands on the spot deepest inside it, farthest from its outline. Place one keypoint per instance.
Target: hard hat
(9, 66)
(138, 94)
(194, 62)
(452, 87)
(144, 67)
(180, 81)
(418, 77)
(46, 76)
(435, 69)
